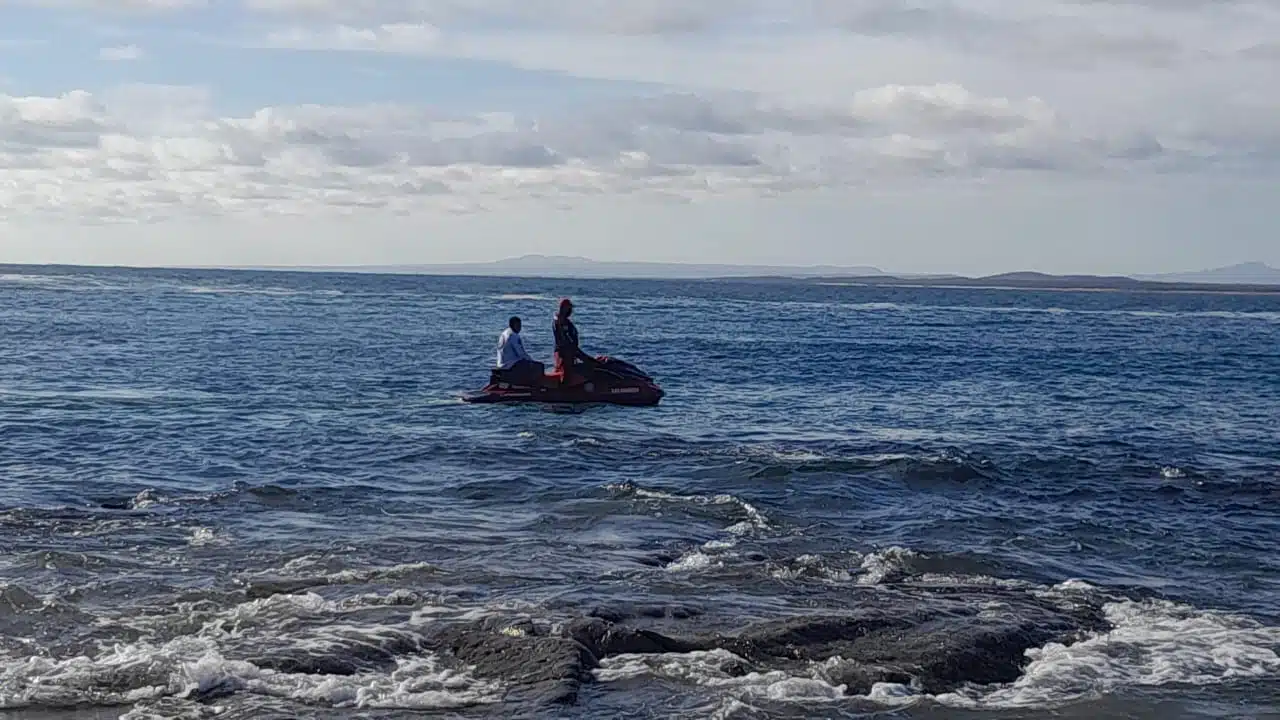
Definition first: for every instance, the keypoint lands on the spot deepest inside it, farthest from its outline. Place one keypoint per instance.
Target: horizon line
(430, 269)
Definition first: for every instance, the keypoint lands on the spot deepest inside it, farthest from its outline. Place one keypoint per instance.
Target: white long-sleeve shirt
(510, 349)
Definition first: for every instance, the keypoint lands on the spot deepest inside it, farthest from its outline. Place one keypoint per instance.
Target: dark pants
(573, 370)
(525, 372)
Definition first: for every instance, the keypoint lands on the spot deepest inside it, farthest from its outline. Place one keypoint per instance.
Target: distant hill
(555, 266)
(1251, 273)
(1042, 281)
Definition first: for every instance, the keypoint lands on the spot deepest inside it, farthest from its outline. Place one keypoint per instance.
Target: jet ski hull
(612, 382)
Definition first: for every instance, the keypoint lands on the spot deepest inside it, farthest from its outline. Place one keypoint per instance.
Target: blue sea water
(198, 468)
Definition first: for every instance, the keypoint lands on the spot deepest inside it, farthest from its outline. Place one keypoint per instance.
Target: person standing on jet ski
(570, 360)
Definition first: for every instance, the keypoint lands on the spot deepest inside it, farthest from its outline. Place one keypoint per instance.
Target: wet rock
(542, 669)
(622, 613)
(15, 599)
(936, 639)
(262, 589)
(859, 679)
(308, 664)
(806, 638)
(341, 655)
(604, 639)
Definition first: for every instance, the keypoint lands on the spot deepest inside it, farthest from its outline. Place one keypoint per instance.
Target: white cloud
(122, 53)
(767, 98)
(405, 38)
(146, 153)
(631, 17)
(112, 5)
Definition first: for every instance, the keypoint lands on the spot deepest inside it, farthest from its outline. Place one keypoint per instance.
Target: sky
(914, 135)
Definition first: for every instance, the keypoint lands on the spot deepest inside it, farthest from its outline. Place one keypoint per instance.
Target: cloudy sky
(916, 135)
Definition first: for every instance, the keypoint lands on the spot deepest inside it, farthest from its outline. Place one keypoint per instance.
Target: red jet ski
(611, 381)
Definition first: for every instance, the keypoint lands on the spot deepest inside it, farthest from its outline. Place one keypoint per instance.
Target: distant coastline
(1245, 279)
(1058, 283)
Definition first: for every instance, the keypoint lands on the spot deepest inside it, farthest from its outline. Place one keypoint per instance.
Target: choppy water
(201, 469)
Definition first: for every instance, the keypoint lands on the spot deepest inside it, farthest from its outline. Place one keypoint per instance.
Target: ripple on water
(259, 492)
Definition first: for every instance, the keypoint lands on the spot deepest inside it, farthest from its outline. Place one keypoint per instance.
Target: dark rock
(261, 589)
(544, 669)
(859, 679)
(342, 655)
(935, 638)
(611, 614)
(622, 613)
(604, 639)
(737, 668)
(806, 638)
(308, 664)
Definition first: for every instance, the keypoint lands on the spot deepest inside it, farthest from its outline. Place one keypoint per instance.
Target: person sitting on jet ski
(570, 360)
(512, 357)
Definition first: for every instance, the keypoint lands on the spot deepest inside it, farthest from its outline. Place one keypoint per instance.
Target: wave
(194, 668)
(1260, 315)
(365, 650)
(945, 465)
(523, 296)
(249, 290)
(752, 518)
(311, 572)
(65, 283)
(1151, 643)
(116, 394)
(299, 647)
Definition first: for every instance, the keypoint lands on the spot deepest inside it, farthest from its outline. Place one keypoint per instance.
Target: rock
(307, 664)
(543, 669)
(604, 639)
(938, 641)
(341, 655)
(858, 679)
(805, 638)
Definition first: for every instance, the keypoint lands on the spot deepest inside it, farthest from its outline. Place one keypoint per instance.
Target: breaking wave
(1153, 643)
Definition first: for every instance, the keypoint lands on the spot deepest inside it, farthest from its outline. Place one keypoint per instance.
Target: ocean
(257, 495)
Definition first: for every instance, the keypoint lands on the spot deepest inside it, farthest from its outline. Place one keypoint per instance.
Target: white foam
(40, 281)
(810, 566)
(711, 669)
(147, 498)
(894, 694)
(755, 519)
(693, 561)
(319, 569)
(885, 564)
(244, 290)
(193, 665)
(393, 572)
(1153, 643)
(202, 536)
(732, 708)
(797, 456)
(519, 296)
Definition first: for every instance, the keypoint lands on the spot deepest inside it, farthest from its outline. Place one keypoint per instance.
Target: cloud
(112, 5)
(403, 38)
(635, 17)
(765, 97)
(146, 153)
(121, 53)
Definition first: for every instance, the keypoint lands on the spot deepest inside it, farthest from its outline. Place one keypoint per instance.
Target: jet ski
(611, 381)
